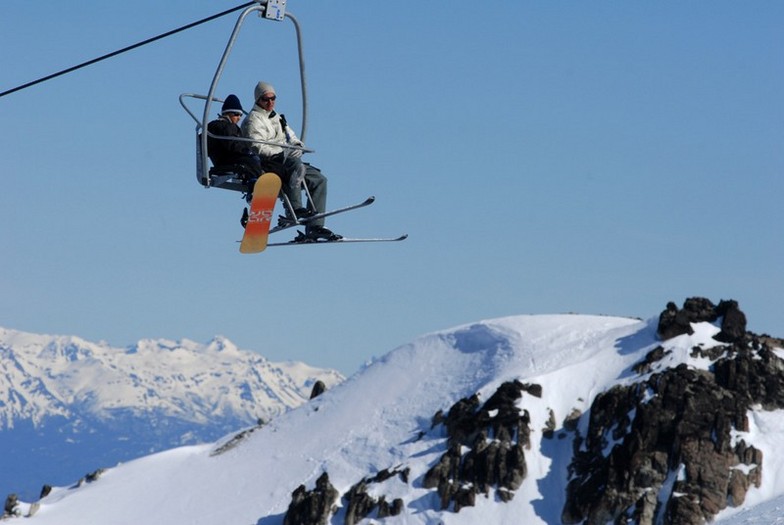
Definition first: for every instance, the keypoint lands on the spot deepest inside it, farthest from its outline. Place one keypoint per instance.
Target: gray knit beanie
(262, 88)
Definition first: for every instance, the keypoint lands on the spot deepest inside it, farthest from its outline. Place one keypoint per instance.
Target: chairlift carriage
(221, 177)
(234, 177)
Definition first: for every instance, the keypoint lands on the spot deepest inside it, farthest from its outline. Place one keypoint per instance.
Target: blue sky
(544, 157)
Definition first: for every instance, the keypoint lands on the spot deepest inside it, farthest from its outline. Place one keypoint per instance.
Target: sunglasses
(268, 99)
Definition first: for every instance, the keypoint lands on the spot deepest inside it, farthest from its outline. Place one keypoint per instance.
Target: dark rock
(404, 474)
(758, 341)
(516, 469)
(312, 507)
(505, 495)
(386, 510)
(533, 389)
(757, 377)
(686, 507)
(386, 474)
(318, 388)
(93, 476)
(438, 419)
(572, 420)
(645, 507)
(464, 497)
(674, 322)
(549, 427)
(360, 504)
(712, 353)
(11, 505)
(448, 467)
(461, 421)
(733, 323)
(700, 310)
(645, 366)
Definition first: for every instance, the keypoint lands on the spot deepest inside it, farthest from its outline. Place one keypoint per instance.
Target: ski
(339, 241)
(304, 221)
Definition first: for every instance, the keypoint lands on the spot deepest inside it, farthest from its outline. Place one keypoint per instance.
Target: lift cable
(123, 50)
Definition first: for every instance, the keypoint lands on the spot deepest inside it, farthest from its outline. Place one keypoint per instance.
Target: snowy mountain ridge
(44, 376)
(69, 406)
(369, 449)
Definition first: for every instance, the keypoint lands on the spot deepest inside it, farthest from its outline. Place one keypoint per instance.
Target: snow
(46, 373)
(380, 418)
(71, 405)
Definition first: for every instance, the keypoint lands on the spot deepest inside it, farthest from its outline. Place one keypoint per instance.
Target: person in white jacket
(269, 128)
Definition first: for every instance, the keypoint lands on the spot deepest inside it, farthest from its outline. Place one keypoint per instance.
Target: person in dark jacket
(228, 152)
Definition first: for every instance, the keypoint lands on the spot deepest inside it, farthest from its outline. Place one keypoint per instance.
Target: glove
(296, 153)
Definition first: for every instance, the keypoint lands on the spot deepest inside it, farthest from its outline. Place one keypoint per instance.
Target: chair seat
(230, 177)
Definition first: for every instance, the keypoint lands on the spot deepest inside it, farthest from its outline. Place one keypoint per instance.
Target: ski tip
(370, 199)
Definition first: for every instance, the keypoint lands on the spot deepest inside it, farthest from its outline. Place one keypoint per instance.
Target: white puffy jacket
(264, 125)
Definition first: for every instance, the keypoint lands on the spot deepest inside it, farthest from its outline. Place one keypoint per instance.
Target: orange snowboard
(265, 193)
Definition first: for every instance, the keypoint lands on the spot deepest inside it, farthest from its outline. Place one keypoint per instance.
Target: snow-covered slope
(68, 405)
(381, 418)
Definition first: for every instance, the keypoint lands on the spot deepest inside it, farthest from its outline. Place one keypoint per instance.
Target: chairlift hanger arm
(269, 9)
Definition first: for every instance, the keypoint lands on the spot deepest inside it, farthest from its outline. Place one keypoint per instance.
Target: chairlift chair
(233, 177)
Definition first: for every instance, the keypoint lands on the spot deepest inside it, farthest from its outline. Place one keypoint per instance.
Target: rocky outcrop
(317, 506)
(11, 507)
(668, 438)
(674, 322)
(318, 388)
(497, 434)
(359, 504)
(312, 507)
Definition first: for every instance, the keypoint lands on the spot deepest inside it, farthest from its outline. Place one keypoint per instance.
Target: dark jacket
(223, 152)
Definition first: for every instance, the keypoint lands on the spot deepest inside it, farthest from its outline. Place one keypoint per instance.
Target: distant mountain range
(70, 406)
